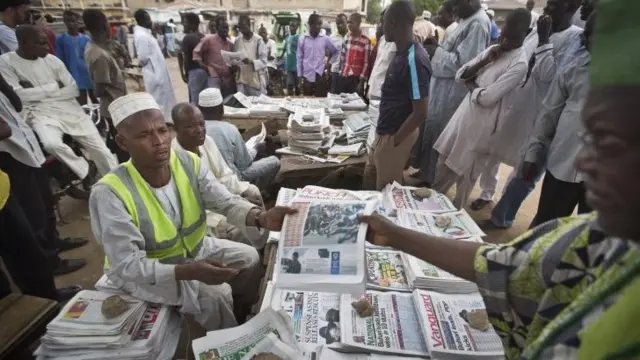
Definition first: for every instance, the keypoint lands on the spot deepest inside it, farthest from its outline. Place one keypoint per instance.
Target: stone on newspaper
(478, 319)
(442, 221)
(363, 307)
(265, 356)
(114, 306)
(423, 193)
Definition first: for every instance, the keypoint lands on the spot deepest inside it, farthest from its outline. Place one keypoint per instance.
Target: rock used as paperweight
(114, 306)
(442, 221)
(424, 192)
(363, 307)
(265, 356)
(478, 319)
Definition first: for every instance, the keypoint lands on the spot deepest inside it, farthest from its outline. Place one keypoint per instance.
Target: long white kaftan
(248, 78)
(157, 80)
(482, 110)
(465, 42)
(507, 142)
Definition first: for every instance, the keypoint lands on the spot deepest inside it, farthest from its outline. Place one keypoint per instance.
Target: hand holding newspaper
(456, 225)
(257, 139)
(420, 199)
(232, 58)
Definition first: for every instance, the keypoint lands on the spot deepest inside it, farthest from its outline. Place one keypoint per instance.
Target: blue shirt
(291, 49)
(407, 80)
(70, 49)
(495, 33)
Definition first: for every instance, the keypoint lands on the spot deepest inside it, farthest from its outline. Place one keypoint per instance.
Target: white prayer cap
(210, 97)
(123, 107)
(426, 14)
(491, 13)
(485, 7)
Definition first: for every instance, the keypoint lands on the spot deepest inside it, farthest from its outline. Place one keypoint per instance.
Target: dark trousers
(349, 84)
(558, 199)
(122, 155)
(317, 88)
(24, 259)
(30, 187)
(82, 99)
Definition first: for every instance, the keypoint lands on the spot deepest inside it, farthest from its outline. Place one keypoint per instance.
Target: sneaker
(67, 266)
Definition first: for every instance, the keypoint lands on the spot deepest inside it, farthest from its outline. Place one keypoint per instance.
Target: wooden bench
(24, 320)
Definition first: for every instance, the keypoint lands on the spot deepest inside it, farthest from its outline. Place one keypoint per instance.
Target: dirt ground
(75, 221)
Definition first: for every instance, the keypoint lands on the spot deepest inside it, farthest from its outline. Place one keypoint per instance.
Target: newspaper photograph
(235, 343)
(457, 325)
(393, 327)
(272, 346)
(386, 270)
(456, 225)
(315, 317)
(323, 238)
(420, 199)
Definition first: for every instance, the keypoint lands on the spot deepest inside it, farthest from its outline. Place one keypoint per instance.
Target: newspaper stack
(386, 270)
(419, 199)
(356, 127)
(81, 332)
(422, 275)
(266, 110)
(455, 225)
(457, 326)
(350, 102)
(321, 247)
(351, 150)
(307, 130)
(237, 342)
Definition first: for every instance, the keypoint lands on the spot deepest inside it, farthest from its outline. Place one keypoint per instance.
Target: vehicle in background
(280, 29)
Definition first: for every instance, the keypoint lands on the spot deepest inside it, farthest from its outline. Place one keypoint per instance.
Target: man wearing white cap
(231, 144)
(423, 28)
(495, 32)
(191, 135)
(149, 215)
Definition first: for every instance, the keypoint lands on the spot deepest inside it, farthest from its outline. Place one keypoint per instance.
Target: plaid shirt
(354, 58)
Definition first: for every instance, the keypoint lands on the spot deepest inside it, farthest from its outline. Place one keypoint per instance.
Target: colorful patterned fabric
(354, 58)
(5, 187)
(529, 283)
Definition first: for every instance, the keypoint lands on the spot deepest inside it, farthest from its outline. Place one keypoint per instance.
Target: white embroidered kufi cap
(123, 107)
(210, 97)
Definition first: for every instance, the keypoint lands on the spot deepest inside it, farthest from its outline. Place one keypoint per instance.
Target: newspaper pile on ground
(422, 275)
(455, 225)
(322, 246)
(238, 342)
(356, 127)
(386, 270)
(308, 131)
(82, 332)
(419, 199)
(457, 326)
(350, 102)
(315, 316)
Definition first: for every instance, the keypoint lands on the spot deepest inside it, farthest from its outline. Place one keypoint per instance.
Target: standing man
(423, 28)
(208, 54)
(291, 53)
(105, 72)
(354, 58)
(157, 247)
(255, 50)
(191, 72)
(534, 15)
(12, 14)
(556, 141)
(338, 41)
(495, 32)
(405, 94)
(447, 19)
(272, 49)
(470, 39)
(70, 48)
(312, 49)
(157, 80)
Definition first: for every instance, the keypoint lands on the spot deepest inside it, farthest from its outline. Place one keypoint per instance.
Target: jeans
(516, 191)
(196, 82)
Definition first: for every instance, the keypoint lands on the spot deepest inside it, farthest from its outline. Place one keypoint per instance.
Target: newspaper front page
(285, 195)
(446, 319)
(322, 247)
(419, 199)
(457, 225)
(386, 270)
(273, 346)
(393, 327)
(315, 317)
(235, 343)
(311, 192)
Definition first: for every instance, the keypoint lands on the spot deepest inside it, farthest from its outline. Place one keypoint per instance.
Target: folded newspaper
(237, 342)
(253, 142)
(353, 149)
(322, 247)
(315, 316)
(456, 225)
(285, 195)
(233, 58)
(457, 326)
(386, 270)
(420, 199)
(271, 346)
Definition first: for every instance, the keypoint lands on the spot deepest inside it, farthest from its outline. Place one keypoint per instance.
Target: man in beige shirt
(106, 75)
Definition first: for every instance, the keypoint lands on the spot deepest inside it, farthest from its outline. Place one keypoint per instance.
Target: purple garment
(311, 54)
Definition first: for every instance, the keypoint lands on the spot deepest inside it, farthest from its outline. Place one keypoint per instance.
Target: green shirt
(544, 289)
(291, 49)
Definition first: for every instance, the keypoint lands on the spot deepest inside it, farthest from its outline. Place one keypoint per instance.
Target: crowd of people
(457, 97)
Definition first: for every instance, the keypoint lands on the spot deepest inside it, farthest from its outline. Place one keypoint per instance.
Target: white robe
(482, 110)
(157, 80)
(248, 78)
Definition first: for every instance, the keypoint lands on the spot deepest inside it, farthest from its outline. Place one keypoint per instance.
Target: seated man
(191, 135)
(149, 215)
(48, 93)
(231, 144)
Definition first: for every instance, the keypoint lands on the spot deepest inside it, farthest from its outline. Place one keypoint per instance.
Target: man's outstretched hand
(206, 271)
(381, 230)
(273, 218)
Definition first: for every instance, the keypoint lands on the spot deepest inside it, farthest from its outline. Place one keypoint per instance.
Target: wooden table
(23, 320)
(297, 167)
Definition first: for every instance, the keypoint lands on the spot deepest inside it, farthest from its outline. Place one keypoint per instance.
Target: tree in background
(373, 11)
(431, 5)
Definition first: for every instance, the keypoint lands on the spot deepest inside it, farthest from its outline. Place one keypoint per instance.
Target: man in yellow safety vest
(149, 215)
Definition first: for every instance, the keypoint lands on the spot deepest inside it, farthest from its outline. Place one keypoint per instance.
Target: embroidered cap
(426, 15)
(123, 107)
(210, 97)
(491, 13)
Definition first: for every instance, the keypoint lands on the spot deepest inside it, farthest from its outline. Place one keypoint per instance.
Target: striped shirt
(354, 58)
(407, 80)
